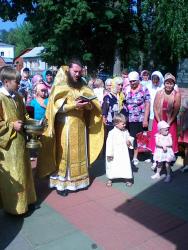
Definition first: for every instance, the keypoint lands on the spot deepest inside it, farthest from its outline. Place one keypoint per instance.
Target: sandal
(109, 183)
(128, 184)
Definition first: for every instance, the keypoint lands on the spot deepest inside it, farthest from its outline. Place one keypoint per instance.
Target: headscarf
(108, 81)
(133, 76)
(35, 79)
(162, 124)
(159, 74)
(46, 72)
(144, 72)
(120, 96)
(115, 81)
(169, 76)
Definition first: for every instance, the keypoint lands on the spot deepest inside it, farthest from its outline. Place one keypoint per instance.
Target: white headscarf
(159, 74)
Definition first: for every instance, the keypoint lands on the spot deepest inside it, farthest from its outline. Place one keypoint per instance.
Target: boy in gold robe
(74, 137)
(16, 181)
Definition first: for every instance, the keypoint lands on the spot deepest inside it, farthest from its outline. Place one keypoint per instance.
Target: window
(2, 53)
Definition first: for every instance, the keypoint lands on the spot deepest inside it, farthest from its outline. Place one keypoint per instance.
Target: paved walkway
(149, 215)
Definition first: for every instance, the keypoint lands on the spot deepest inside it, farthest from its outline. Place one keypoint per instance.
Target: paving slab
(149, 215)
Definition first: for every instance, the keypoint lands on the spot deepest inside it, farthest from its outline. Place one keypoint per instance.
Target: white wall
(7, 52)
(35, 64)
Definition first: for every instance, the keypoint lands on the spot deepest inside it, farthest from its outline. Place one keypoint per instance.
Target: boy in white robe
(118, 163)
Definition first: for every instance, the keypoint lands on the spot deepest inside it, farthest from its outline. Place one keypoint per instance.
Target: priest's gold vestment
(16, 181)
(73, 139)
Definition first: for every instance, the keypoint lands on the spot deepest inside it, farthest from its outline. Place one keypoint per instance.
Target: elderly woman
(112, 102)
(166, 107)
(99, 90)
(108, 86)
(137, 103)
(35, 80)
(156, 84)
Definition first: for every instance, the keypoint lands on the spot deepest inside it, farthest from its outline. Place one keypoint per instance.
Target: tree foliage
(167, 28)
(20, 37)
(148, 33)
(89, 29)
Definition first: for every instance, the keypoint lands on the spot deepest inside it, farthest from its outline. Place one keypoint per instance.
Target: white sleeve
(129, 138)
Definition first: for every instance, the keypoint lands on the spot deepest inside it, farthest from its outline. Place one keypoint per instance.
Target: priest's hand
(80, 104)
(17, 125)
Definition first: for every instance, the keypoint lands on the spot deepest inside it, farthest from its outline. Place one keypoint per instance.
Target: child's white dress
(159, 154)
(116, 146)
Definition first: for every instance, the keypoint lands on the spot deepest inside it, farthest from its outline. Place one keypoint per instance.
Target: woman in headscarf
(156, 84)
(48, 79)
(137, 104)
(166, 107)
(112, 102)
(108, 86)
(37, 79)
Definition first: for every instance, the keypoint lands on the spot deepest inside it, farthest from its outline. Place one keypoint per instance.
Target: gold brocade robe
(16, 181)
(74, 138)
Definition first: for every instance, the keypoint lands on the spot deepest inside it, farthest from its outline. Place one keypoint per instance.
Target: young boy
(117, 155)
(16, 181)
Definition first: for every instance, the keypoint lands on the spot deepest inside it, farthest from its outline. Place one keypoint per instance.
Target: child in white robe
(118, 163)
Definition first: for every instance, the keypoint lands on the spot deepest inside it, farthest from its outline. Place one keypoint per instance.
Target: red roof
(23, 52)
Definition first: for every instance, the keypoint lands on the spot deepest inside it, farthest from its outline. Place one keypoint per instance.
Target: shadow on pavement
(163, 209)
(10, 226)
(97, 169)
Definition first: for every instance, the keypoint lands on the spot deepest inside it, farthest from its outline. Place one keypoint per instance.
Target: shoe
(156, 176)
(135, 161)
(128, 184)
(109, 183)
(167, 179)
(183, 169)
(34, 206)
(153, 167)
(63, 193)
(163, 176)
(148, 160)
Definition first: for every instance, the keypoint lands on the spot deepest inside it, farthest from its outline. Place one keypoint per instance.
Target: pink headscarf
(36, 78)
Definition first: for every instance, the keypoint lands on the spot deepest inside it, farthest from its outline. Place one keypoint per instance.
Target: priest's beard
(74, 83)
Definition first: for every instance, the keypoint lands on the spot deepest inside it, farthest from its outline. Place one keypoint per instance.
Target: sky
(9, 25)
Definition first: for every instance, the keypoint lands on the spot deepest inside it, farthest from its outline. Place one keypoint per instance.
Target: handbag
(143, 139)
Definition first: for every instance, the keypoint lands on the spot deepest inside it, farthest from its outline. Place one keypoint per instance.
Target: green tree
(167, 31)
(148, 33)
(89, 29)
(20, 37)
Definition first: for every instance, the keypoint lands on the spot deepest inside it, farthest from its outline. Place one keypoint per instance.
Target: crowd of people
(148, 103)
(80, 126)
